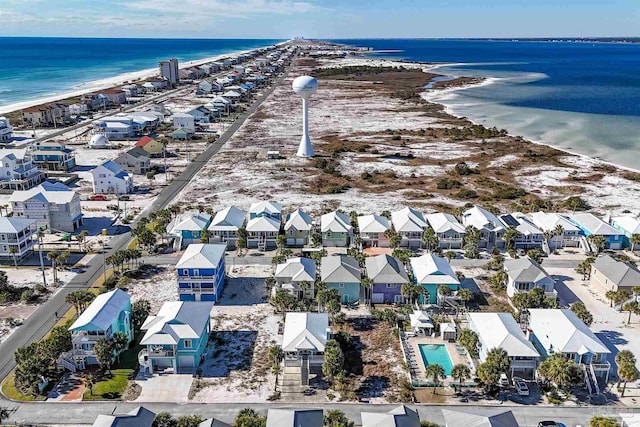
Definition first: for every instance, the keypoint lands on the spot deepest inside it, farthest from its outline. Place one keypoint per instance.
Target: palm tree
(465, 295)
(275, 357)
(632, 308)
(634, 240)
(13, 251)
(430, 239)
(600, 242)
(625, 356)
(509, 237)
(367, 284)
(460, 373)
(611, 296)
(558, 232)
(81, 237)
(436, 373)
(205, 236)
(627, 372)
(120, 343)
(52, 256)
(40, 235)
(90, 381)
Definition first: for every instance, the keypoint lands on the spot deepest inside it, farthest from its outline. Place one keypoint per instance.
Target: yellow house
(150, 145)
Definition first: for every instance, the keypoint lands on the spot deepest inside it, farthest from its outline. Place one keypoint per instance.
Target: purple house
(388, 275)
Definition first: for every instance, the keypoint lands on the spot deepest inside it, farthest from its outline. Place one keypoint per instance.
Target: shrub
(26, 295)
(447, 184)
(465, 193)
(509, 193)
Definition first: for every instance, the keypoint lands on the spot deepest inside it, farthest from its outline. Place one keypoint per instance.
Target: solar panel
(510, 220)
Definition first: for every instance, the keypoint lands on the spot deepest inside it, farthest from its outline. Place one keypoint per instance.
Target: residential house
(115, 96)
(303, 340)
(117, 127)
(137, 417)
(528, 235)
(182, 134)
(93, 102)
(590, 225)
(431, 271)
(212, 422)
(628, 225)
(336, 229)
(108, 315)
(460, 418)
(201, 114)
(17, 171)
(294, 273)
(552, 222)
(410, 225)
(189, 228)
(16, 238)
(421, 322)
(271, 210)
(388, 275)
(52, 156)
(150, 145)
(295, 418)
(45, 115)
(78, 109)
(6, 131)
(449, 231)
(400, 416)
(225, 225)
(233, 96)
(525, 274)
(500, 330)
(298, 228)
(110, 178)
(154, 85)
(561, 331)
(607, 274)
(54, 206)
(187, 74)
(184, 121)
(262, 232)
(201, 272)
(131, 91)
(221, 103)
(135, 160)
(176, 338)
(491, 228)
(372, 229)
(342, 272)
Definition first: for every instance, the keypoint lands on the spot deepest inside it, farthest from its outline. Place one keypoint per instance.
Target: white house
(298, 227)
(561, 331)
(137, 417)
(16, 238)
(225, 225)
(110, 178)
(17, 171)
(491, 228)
(262, 232)
(6, 131)
(525, 274)
(529, 236)
(400, 416)
(500, 330)
(53, 205)
(409, 224)
(295, 271)
(295, 418)
(494, 419)
(449, 231)
(303, 341)
(372, 229)
(629, 226)
(267, 209)
(552, 222)
(184, 121)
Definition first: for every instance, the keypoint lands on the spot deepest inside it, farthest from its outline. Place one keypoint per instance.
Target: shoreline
(109, 82)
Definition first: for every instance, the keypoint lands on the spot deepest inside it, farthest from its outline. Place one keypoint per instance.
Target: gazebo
(448, 331)
(421, 322)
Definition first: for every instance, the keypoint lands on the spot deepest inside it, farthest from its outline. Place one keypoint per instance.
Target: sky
(320, 18)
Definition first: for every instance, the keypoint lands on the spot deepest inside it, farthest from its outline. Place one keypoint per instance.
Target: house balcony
(211, 278)
(601, 367)
(152, 352)
(81, 337)
(523, 364)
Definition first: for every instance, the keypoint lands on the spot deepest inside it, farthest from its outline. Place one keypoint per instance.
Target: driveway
(164, 388)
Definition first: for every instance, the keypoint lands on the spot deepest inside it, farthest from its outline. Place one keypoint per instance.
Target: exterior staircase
(291, 380)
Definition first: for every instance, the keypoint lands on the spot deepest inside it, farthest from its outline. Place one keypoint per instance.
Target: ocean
(36, 67)
(579, 97)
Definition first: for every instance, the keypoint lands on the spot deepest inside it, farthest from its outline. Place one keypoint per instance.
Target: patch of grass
(10, 391)
(111, 387)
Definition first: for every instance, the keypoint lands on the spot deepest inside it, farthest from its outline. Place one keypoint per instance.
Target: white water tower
(305, 86)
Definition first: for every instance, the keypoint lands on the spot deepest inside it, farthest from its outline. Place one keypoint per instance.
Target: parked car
(504, 380)
(521, 388)
(98, 197)
(550, 424)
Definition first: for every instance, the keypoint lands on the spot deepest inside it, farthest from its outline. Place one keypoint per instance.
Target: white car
(521, 388)
(504, 380)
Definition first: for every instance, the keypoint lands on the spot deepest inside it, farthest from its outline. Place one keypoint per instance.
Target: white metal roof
(594, 225)
(47, 192)
(420, 319)
(202, 255)
(103, 311)
(262, 223)
(191, 222)
(549, 221)
(15, 225)
(299, 269)
(228, 219)
(481, 218)
(400, 416)
(305, 331)
(176, 320)
(335, 222)
(299, 220)
(630, 224)
(432, 269)
(340, 269)
(525, 226)
(443, 222)
(386, 269)
(265, 207)
(138, 417)
(464, 419)
(500, 330)
(562, 331)
(295, 418)
(373, 224)
(408, 220)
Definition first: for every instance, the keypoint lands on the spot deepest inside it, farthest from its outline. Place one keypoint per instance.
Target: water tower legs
(305, 149)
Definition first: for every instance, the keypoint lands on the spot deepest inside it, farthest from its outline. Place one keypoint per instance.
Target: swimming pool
(436, 354)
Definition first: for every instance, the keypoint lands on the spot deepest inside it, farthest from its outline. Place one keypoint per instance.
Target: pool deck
(451, 350)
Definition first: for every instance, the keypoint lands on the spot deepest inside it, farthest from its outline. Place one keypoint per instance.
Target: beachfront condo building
(169, 71)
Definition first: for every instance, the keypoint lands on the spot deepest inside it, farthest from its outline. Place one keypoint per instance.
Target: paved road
(41, 321)
(547, 263)
(229, 260)
(86, 412)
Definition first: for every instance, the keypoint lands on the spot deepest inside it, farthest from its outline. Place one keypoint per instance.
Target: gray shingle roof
(620, 273)
(340, 269)
(386, 269)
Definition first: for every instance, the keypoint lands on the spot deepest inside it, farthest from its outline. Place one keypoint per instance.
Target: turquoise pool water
(436, 354)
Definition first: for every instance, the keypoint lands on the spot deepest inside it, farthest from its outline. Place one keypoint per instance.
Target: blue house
(629, 226)
(271, 210)
(431, 272)
(590, 224)
(176, 338)
(342, 272)
(201, 272)
(107, 315)
(189, 227)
